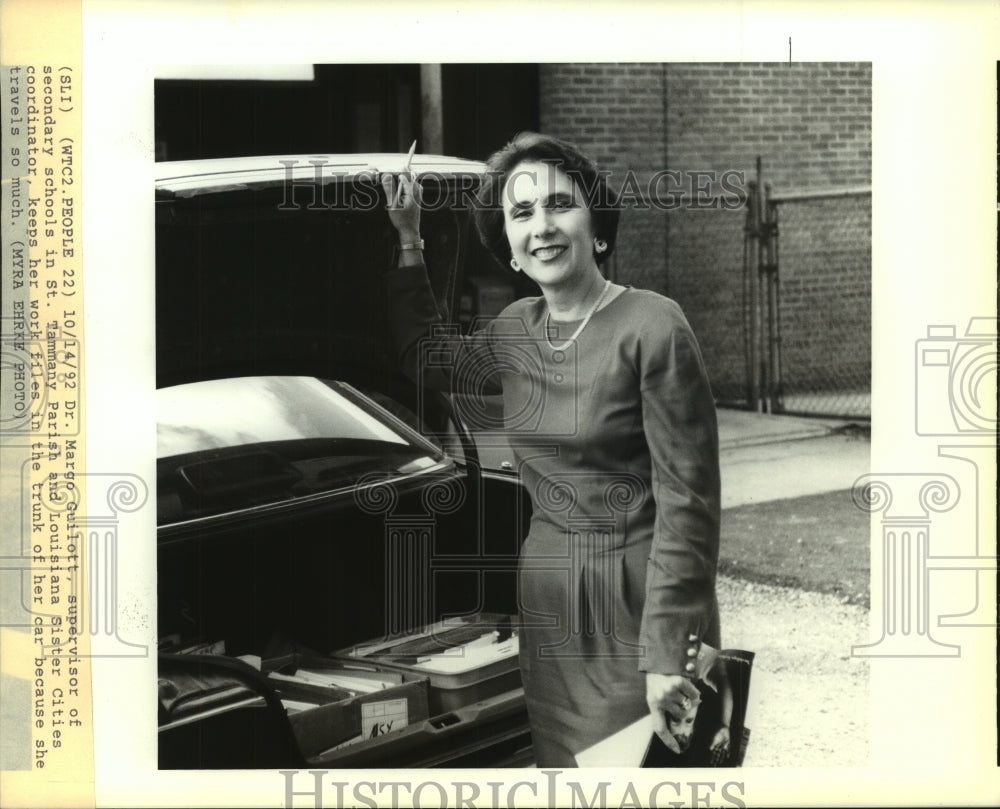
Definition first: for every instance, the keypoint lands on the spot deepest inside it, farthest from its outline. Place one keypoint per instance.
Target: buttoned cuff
(674, 651)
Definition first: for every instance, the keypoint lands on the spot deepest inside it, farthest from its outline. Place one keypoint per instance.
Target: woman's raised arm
(428, 350)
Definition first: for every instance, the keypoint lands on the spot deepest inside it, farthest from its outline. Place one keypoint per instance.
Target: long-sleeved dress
(616, 440)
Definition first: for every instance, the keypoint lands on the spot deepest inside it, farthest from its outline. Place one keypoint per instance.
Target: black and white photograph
(468, 375)
(577, 413)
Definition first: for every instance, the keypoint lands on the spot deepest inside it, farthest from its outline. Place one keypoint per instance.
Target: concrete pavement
(765, 457)
(809, 696)
(744, 428)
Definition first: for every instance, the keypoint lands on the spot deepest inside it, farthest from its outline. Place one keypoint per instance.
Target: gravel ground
(808, 695)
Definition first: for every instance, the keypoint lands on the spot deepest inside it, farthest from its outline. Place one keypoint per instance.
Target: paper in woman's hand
(626, 748)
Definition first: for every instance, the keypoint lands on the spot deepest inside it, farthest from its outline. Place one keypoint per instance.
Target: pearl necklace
(581, 327)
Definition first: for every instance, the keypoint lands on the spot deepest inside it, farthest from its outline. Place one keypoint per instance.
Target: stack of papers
(352, 684)
(473, 655)
(357, 683)
(626, 748)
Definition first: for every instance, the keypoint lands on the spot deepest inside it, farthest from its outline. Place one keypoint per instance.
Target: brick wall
(810, 123)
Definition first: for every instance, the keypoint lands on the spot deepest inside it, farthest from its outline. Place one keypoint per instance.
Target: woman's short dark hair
(531, 146)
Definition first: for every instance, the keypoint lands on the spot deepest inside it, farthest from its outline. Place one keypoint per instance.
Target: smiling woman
(620, 456)
(552, 237)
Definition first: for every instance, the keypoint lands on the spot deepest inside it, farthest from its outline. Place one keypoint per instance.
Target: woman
(619, 451)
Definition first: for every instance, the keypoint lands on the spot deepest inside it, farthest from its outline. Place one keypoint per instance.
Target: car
(312, 501)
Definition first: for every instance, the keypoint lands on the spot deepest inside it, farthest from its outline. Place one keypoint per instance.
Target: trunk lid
(271, 265)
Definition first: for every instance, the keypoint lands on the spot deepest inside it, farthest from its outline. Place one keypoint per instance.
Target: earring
(600, 245)
(514, 265)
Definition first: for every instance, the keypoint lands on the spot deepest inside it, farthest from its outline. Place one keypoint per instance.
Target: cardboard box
(340, 720)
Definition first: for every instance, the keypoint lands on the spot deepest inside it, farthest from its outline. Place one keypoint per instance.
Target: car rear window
(227, 445)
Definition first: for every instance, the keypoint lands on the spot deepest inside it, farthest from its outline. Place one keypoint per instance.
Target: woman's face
(548, 224)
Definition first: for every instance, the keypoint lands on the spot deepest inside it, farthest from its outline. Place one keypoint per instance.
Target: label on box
(379, 718)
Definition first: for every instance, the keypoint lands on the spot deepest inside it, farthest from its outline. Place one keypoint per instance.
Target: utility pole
(431, 110)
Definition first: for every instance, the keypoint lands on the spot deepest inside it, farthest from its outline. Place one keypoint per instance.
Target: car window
(227, 445)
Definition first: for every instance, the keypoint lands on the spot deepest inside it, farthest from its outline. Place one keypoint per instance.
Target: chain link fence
(780, 299)
(825, 311)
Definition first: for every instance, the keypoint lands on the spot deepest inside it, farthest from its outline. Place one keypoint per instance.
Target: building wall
(809, 123)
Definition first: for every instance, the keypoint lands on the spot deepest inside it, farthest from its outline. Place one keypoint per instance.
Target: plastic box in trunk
(465, 659)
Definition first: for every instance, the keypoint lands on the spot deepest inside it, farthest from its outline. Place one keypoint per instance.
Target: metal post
(432, 106)
(777, 405)
(769, 269)
(752, 281)
(763, 287)
(745, 301)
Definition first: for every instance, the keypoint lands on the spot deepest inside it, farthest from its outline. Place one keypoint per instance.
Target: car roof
(194, 177)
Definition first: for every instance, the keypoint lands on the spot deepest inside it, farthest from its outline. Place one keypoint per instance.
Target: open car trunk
(321, 582)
